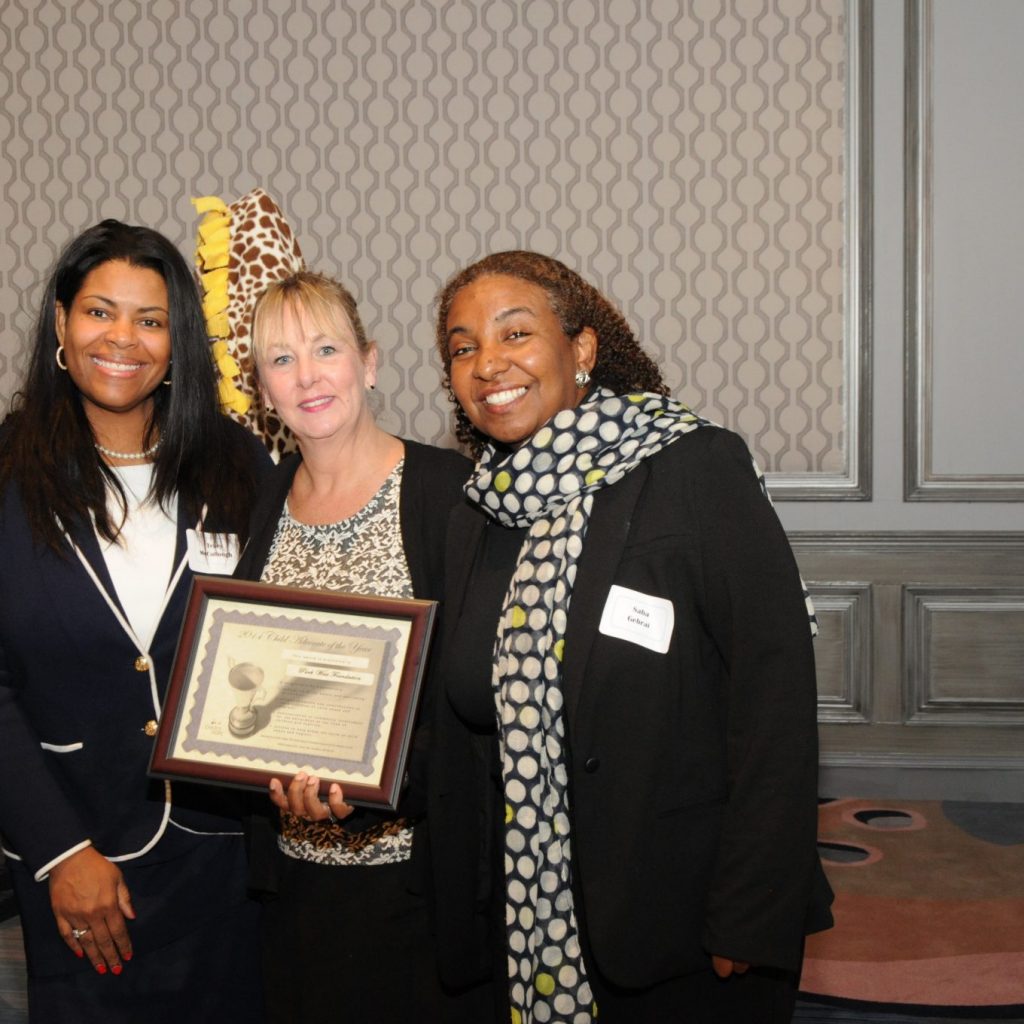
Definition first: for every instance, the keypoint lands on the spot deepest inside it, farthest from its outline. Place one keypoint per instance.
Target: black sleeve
(761, 890)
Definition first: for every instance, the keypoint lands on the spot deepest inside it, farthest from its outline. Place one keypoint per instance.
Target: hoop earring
(58, 355)
(582, 378)
(167, 382)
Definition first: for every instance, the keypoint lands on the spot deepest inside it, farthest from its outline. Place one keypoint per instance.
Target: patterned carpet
(929, 910)
(929, 918)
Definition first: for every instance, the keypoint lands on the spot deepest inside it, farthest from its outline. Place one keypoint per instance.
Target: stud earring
(582, 378)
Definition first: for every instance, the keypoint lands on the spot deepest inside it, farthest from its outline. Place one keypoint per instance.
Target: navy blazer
(76, 696)
(692, 773)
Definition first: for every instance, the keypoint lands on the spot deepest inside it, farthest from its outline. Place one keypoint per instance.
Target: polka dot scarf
(548, 485)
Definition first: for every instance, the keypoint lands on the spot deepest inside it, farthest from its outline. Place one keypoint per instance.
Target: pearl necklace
(130, 456)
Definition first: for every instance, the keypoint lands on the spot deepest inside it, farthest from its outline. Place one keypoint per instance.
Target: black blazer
(693, 773)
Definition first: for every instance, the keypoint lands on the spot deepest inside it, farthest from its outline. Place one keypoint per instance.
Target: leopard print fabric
(323, 842)
(263, 250)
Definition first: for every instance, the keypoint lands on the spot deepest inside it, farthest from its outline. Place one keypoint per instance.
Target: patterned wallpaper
(685, 155)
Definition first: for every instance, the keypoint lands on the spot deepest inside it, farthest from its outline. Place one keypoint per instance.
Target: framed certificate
(269, 681)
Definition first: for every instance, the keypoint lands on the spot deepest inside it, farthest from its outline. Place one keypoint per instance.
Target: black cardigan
(432, 480)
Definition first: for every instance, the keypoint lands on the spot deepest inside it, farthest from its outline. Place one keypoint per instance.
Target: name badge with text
(213, 553)
(639, 618)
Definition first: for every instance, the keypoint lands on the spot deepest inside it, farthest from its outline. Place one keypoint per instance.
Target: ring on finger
(79, 932)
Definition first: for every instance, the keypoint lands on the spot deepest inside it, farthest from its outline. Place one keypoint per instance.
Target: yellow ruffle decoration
(225, 360)
(213, 256)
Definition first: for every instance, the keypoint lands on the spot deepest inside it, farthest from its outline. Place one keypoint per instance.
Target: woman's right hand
(725, 967)
(302, 798)
(89, 896)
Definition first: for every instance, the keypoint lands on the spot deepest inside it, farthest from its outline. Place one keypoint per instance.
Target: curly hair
(622, 365)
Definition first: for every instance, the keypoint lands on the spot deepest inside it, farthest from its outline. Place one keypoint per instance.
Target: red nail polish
(116, 969)
(101, 968)
(128, 955)
(79, 953)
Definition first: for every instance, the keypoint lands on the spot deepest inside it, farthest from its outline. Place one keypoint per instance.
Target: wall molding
(854, 484)
(891, 697)
(921, 481)
(847, 605)
(952, 543)
(987, 672)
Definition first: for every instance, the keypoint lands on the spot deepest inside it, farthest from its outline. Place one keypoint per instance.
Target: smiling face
(316, 379)
(512, 365)
(117, 339)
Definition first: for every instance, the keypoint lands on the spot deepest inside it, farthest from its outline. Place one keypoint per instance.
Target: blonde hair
(328, 303)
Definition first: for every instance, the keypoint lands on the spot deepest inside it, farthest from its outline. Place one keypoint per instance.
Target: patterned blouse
(362, 554)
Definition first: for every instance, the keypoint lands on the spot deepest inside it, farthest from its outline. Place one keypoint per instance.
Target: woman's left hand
(724, 967)
(302, 798)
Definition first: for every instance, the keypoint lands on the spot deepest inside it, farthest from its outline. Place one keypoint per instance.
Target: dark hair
(622, 365)
(48, 450)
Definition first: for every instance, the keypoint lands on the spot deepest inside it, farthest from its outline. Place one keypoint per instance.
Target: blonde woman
(355, 509)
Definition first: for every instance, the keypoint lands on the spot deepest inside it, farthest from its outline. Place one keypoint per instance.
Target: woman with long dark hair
(118, 478)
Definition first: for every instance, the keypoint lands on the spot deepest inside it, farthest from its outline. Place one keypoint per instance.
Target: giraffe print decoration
(242, 247)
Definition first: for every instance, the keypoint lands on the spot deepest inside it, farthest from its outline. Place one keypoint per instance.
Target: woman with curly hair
(622, 364)
(623, 793)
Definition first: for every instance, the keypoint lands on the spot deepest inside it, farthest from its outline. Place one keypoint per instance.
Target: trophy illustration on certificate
(245, 680)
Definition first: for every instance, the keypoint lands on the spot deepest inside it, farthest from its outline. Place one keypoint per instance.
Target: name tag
(213, 553)
(639, 618)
